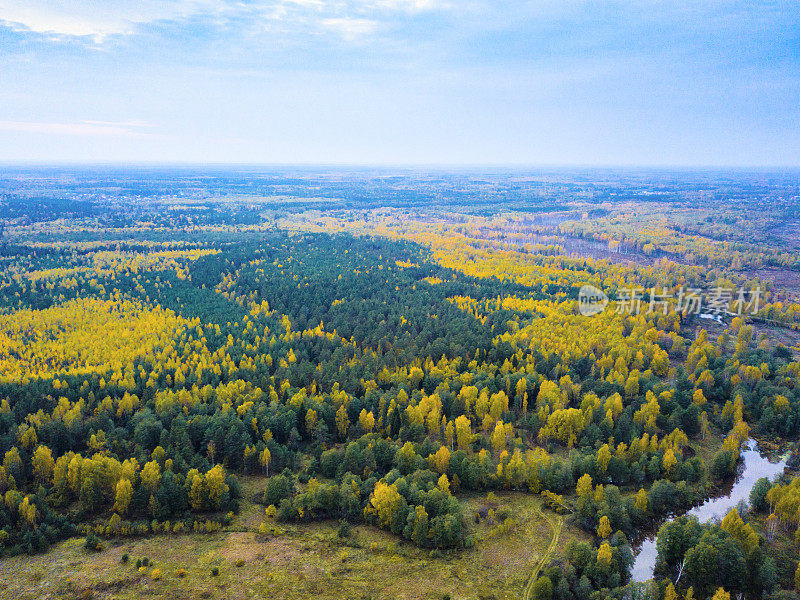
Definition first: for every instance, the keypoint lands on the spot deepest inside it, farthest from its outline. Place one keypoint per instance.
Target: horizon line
(15, 164)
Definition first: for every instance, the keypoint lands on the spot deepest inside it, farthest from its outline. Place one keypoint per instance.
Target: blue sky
(545, 82)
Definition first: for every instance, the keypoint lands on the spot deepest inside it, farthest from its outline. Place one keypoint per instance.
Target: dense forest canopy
(382, 366)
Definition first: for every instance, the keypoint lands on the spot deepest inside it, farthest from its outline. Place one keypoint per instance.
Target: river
(755, 467)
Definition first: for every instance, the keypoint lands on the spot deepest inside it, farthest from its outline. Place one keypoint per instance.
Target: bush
(758, 495)
(124, 558)
(214, 571)
(542, 589)
(278, 488)
(92, 543)
(723, 465)
(345, 529)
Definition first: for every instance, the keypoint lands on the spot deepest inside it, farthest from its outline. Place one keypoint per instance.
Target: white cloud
(349, 28)
(83, 128)
(95, 19)
(101, 19)
(408, 5)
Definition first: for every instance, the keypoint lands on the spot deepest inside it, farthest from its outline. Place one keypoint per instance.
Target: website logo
(591, 301)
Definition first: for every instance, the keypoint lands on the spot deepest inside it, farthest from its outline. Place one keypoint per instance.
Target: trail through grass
(556, 523)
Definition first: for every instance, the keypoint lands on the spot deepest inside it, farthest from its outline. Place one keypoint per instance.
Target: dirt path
(556, 523)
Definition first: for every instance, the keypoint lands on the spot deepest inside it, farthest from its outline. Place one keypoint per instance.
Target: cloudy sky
(546, 82)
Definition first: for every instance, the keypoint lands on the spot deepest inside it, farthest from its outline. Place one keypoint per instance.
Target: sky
(401, 82)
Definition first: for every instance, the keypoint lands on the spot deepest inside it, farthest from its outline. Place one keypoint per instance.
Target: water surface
(755, 467)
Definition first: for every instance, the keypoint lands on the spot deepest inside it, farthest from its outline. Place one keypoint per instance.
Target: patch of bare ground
(775, 334)
(584, 248)
(780, 335)
(785, 282)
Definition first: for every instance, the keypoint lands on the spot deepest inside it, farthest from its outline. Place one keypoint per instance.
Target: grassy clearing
(707, 448)
(308, 561)
(556, 524)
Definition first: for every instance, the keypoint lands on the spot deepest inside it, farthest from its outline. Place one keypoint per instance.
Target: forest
(164, 373)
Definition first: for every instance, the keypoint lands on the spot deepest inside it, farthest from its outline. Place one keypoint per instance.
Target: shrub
(92, 543)
(758, 495)
(723, 465)
(345, 529)
(542, 589)
(278, 487)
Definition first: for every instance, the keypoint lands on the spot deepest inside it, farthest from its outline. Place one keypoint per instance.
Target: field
(306, 561)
